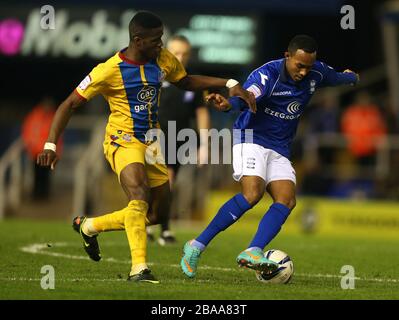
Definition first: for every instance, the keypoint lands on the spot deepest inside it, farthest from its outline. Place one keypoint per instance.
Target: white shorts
(254, 160)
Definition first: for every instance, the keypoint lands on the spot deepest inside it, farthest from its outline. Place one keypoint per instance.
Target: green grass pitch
(26, 246)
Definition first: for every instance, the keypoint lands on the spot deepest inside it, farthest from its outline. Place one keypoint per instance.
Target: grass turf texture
(317, 262)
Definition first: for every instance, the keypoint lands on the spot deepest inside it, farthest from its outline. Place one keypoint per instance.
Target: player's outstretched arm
(48, 157)
(334, 78)
(198, 83)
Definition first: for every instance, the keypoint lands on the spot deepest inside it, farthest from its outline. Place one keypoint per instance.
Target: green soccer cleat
(254, 259)
(190, 259)
(90, 244)
(143, 276)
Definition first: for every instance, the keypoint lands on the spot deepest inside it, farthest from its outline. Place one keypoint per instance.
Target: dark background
(359, 49)
(24, 80)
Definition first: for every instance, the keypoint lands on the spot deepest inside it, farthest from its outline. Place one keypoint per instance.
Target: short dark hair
(143, 20)
(302, 42)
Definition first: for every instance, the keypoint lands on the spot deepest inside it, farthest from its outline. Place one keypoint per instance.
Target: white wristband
(50, 146)
(231, 83)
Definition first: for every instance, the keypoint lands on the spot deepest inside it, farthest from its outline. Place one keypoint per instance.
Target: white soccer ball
(284, 271)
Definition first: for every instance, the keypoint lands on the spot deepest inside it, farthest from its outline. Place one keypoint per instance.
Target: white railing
(10, 191)
(16, 179)
(338, 141)
(89, 171)
(368, 78)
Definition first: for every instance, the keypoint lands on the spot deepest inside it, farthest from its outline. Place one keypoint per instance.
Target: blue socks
(229, 213)
(270, 225)
(232, 210)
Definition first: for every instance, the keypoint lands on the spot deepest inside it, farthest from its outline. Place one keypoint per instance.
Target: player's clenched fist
(47, 158)
(350, 71)
(219, 102)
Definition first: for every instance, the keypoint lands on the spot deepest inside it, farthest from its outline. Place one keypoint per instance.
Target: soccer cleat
(190, 259)
(254, 259)
(167, 237)
(90, 244)
(143, 276)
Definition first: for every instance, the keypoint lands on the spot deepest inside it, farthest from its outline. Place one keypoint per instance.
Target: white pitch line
(63, 280)
(81, 280)
(38, 248)
(319, 275)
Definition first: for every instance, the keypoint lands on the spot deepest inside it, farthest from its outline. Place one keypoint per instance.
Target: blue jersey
(280, 102)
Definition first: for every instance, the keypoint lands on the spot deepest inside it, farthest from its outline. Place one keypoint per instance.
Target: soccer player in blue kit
(282, 89)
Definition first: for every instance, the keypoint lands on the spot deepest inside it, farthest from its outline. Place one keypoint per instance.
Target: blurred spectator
(390, 116)
(323, 119)
(388, 184)
(324, 116)
(35, 130)
(363, 125)
(184, 109)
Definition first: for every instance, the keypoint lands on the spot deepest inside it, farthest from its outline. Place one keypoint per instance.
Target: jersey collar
(127, 60)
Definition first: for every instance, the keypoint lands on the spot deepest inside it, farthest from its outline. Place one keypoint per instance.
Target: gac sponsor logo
(147, 94)
(140, 107)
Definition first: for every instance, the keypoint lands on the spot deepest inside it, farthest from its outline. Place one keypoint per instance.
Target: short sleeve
(93, 84)
(258, 83)
(173, 70)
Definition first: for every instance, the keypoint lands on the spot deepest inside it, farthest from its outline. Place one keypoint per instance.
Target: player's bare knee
(288, 202)
(253, 189)
(253, 196)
